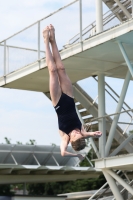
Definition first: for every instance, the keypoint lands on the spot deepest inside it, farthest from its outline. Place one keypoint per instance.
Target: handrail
(107, 18)
(60, 9)
(23, 48)
(88, 26)
(115, 94)
(117, 113)
(114, 11)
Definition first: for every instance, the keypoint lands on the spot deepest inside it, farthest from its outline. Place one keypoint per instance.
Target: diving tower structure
(93, 52)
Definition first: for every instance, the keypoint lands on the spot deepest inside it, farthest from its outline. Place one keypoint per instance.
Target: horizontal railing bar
(92, 24)
(115, 94)
(41, 19)
(125, 123)
(110, 15)
(89, 30)
(16, 47)
(97, 118)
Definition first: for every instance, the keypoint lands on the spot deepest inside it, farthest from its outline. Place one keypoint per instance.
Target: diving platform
(116, 162)
(98, 54)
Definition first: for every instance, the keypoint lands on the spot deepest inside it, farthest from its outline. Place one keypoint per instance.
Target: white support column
(80, 19)
(130, 67)
(116, 117)
(112, 185)
(99, 16)
(120, 180)
(101, 112)
(128, 15)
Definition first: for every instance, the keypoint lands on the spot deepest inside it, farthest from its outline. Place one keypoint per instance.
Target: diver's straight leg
(65, 82)
(54, 86)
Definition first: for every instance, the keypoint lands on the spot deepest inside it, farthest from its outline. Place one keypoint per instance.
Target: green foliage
(37, 189)
(54, 145)
(31, 142)
(130, 132)
(5, 190)
(8, 141)
(91, 155)
(19, 143)
(66, 187)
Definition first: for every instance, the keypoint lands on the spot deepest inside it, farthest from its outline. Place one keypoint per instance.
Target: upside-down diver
(61, 92)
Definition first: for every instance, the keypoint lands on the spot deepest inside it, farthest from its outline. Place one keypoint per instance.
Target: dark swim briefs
(67, 116)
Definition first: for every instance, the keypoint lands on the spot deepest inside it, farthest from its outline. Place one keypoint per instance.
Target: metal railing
(126, 111)
(113, 96)
(91, 28)
(126, 108)
(33, 54)
(123, 126)
(6, 47)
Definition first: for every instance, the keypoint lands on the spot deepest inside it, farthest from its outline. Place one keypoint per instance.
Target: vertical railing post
(7, 71)
(80, 19)
(5, 58)
(38, 40)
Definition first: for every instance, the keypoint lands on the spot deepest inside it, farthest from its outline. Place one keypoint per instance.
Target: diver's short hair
(78, 144)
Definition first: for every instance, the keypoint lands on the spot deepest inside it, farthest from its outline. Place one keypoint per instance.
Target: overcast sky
(28, 115)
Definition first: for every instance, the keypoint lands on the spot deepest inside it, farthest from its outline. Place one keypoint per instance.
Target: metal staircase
(124, 8)
(117, 9)
(88, 110)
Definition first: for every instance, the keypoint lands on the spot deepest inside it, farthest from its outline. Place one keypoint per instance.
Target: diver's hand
(97, 134)
(80, 157)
